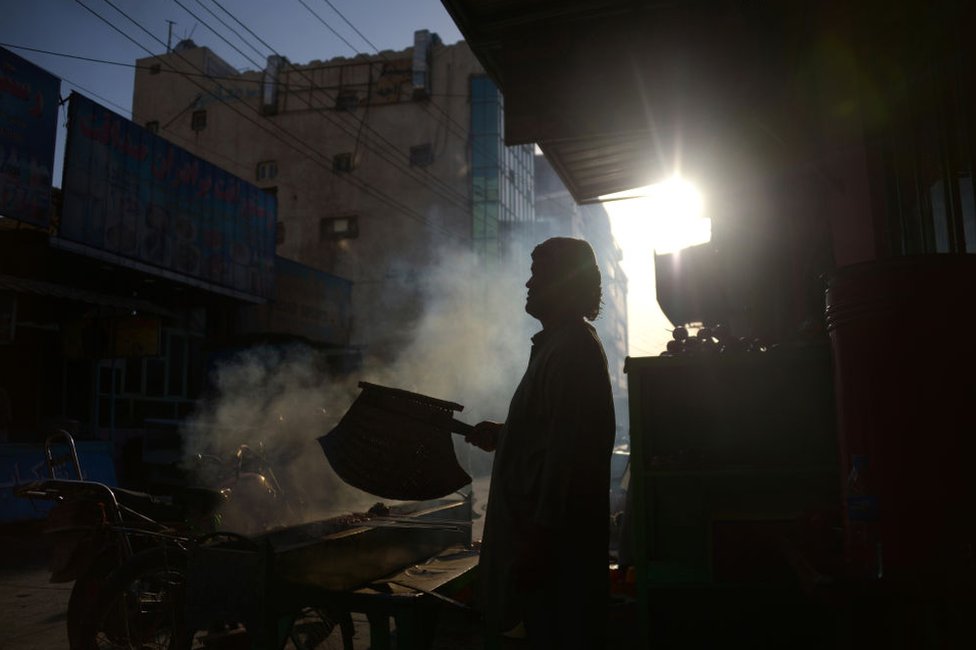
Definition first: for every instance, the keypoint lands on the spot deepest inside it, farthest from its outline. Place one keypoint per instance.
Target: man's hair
(574, 262)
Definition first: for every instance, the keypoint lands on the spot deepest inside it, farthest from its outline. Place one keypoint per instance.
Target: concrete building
(379, 163)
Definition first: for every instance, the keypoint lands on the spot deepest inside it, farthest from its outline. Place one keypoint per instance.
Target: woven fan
(397, 445)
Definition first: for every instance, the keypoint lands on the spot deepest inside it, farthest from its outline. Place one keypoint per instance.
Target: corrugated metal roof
(619, 94)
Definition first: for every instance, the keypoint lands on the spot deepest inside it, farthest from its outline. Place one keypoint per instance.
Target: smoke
(469, 345)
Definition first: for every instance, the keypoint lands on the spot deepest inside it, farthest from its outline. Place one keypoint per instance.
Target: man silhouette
(544, 556)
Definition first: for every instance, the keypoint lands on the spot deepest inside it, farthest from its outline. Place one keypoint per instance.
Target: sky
(93, 44)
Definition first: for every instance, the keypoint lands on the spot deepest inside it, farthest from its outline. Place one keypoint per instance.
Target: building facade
(381, 164)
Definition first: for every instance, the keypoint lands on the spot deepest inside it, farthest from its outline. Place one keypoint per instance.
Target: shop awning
(63, 292)
(618, 94)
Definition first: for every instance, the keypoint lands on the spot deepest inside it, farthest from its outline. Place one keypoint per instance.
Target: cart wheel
(140, 605)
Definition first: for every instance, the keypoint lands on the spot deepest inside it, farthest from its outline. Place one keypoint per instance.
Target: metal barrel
(905, 390)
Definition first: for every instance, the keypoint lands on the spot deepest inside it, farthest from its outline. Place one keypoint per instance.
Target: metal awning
(618, 93)
(63, 292)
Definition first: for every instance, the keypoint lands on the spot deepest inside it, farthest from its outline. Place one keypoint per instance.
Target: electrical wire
(346, 20)
(460, 131)
(121, 64)
(464, 131)
(455, 197)
(461, 200)
(301, 147)
(202, 75)
(232, 30)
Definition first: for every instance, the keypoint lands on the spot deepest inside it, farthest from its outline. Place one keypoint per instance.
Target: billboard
(308, 303)
(134, 194)
(29, 98)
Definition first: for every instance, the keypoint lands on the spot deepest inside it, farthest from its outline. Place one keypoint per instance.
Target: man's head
(565, 281)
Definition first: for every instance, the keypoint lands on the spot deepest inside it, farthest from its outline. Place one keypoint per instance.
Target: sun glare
(664, 217)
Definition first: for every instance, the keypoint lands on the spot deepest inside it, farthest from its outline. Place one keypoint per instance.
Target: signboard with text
(132, 193)
(308, 303)
(29, 99)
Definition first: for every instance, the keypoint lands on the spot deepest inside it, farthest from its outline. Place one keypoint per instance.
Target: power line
(358, 183)
(464, 131)
(234, 31)
(116, 63)
(150, 68)
(461, 201)
(207, 76)
(460, 130)
(94, 94)
(346, 20)
(330, 28)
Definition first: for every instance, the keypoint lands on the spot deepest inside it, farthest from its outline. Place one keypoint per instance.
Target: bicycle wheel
(140, 605)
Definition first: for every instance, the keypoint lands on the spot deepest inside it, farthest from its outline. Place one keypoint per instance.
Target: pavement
(33, 611)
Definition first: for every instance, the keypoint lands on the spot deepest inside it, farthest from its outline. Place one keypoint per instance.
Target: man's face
(542, 301)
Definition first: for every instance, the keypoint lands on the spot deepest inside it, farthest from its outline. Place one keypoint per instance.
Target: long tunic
(550, 487)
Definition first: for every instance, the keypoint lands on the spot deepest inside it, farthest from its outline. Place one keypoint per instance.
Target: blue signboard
(132, 193)
(23, 463)
(29, 99)
(308, 303)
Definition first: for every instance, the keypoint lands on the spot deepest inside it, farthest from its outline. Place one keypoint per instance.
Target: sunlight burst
(664, 217)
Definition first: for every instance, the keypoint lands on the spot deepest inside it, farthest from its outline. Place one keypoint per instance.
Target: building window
(342, 162)
(421, 155)
(199, 120)
(152, 126)
(345, 227)
(155, 68)
(347, 100)
(279, 233)
(267, 170)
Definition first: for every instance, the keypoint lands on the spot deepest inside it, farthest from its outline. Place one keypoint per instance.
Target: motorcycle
(127, 551)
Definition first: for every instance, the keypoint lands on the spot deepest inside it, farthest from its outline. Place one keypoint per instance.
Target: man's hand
(485, 435)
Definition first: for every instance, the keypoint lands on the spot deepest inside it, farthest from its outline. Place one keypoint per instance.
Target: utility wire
(359, 184)
(464, 131)
(228, 27)
(460, 201)
(201, 75)
(328, 26)
(120, 63)
(460, 130)
(346, 20)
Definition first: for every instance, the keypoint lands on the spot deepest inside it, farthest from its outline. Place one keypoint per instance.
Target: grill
(258, 580)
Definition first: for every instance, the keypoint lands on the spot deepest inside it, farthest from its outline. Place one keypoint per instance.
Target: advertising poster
(29, 99)
(132, 193)
(308, 303)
